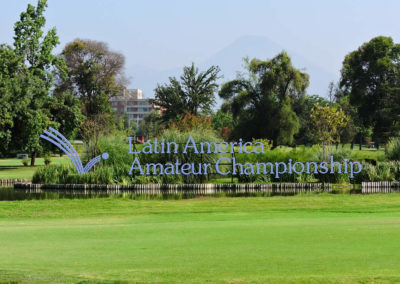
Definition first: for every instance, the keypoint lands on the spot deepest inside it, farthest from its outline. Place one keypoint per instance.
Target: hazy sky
(168, 34)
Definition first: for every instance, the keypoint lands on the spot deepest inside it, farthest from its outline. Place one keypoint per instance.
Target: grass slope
(13, 168)
(306, 238)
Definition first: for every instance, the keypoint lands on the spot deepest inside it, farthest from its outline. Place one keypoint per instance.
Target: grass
(305, 238)
(13, 168)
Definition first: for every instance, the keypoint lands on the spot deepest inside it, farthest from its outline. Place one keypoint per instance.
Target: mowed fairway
(306, 238)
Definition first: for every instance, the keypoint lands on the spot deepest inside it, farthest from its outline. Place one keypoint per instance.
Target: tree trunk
(360, 143)
(337, 145)
(377, 145)
(352, 145)
(33, 158)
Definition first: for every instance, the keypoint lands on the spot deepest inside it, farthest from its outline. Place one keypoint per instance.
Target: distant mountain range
(230, 60)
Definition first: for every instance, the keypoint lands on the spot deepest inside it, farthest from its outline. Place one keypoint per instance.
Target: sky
(167, 34)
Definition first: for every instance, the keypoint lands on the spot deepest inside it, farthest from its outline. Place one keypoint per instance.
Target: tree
(151, 125)
(65, 110)
(302, 108)
(95, 74)
(223, 123)
(327, 122)
(262, 102)
(194, 93)
(350, 131)
(13, 98)
(191, 122)
(370, 76)
(34, 49)
(91, 131)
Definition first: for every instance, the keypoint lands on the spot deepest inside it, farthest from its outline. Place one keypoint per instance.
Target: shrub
(383, 171)
(392, 149)
(191, 122)
(339, 155)
(267, 144)
(180, 138)
(53, 174)
(279, 154)
(47, 158)
(115, 170)
(25, 162)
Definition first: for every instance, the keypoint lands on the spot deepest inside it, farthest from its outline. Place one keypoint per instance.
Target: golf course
(308, 238)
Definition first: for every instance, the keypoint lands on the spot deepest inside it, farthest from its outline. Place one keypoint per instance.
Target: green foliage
(189, 122)
(193, 93)
(327, 123)
(223, 123)
(279, 154)
(66, 174)
(65, 110)
(25, 162)
(47, 158)
(352, 128)
(95, 73)
(174, 135)
(118, 158)
(262, 103)
(27, 78)
(13, 89)
(151, 125)
(302, 107)
(370, 76)
(267, 144)
(123, 125)
(392, 149)
(91, 131)
(383, 171)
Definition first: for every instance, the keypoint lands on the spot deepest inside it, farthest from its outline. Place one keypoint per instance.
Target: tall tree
(370, 76)
(95, 74)
(35, 48)
(12, 93)
(262, 102)
(193, 93)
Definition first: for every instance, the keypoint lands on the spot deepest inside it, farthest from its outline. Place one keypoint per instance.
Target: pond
(9, 194)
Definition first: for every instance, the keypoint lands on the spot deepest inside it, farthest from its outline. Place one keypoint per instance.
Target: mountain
(230, 60)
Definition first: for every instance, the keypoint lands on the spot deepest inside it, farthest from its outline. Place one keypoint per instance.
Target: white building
(133, 104)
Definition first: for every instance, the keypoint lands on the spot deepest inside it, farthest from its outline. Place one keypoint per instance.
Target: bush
(53, 174)
(66, 174)
(299, 154)
(383, 171)
(279, 154)
(25, 162)
(392, 149)
(47, 158)
(115, 170)
(180, 138)
(339, 155)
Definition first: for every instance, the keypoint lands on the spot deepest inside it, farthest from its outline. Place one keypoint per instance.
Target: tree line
(270, 100)
(70, 91)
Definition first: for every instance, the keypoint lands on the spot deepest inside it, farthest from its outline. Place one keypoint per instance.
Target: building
(133, 104)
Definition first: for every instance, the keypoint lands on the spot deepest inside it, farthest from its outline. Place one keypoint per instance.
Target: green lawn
(13, 168)
(306, 238)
